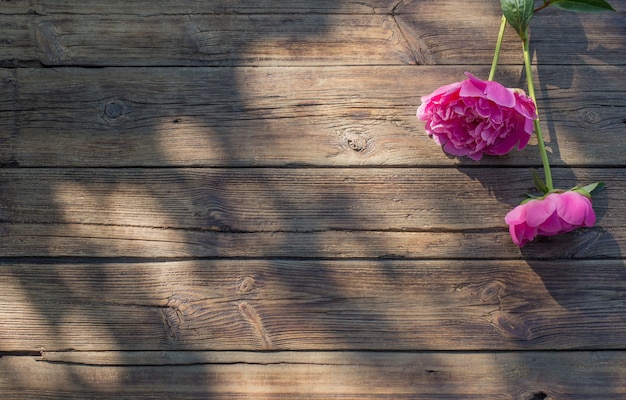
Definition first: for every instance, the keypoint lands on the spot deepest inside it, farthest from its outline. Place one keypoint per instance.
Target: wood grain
(464, 32)
(203, 40)
(83, 240)
(234, 200)
(165, 7)
(270, 33)
(313, 305)
(285, 200)
(283, 116)
(319, 375)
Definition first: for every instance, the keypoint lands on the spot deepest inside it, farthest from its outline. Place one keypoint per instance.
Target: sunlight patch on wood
(114, 206)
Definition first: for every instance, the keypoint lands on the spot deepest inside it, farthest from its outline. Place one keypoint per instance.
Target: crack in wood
(42, 358)
(404, 39)
(405, 42)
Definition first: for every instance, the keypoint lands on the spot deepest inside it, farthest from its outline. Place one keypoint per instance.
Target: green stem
(496, 53)
(546, 3)
(531, 92)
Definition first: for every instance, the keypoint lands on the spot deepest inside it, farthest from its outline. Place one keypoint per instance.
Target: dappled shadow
(557, 83)
(143, 276)
(97, 296)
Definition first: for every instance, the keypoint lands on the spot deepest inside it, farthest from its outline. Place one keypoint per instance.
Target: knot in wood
(491, 292)
(249, 312)
(534, 395)
(512, 326)
(589, 117)
(113, 110)
(246, 284)
(356, 141)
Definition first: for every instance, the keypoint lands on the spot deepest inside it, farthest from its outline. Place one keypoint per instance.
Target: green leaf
(518, 13)
(539, 184)
(582, 5)
(594, 187)
(588, 190)
(583, 192)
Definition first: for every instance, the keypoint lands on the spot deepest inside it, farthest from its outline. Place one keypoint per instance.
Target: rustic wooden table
(234, 199)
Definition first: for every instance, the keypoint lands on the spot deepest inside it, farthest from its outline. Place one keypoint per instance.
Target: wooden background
(234, 199)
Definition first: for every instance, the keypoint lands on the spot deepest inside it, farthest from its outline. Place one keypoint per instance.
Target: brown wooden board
(284, 116)
(319, 375)
(166, 7)
(354, 213)
(302, 33)
(313, 305)
(84, 240)
(235, 200)
(287, 200)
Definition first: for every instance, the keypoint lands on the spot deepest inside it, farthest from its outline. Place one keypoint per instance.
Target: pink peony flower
(552, 215)
(476, 117)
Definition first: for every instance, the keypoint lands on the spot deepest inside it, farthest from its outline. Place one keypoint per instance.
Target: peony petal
(440, 139)
(574, 208)
(476, 156)
(525, 136)
(552, 226)
(422, 111)
(517, 234)
(590, 219)
(523, 141)
(444, 90)
(451, 149)
(490, 111)
(492, 90)
(525, 106)
(490, 137)
(469, 89)
(539, 211)
(430, 100)
(500, 95)
(504, 145)
(516, 216)
(522, 234)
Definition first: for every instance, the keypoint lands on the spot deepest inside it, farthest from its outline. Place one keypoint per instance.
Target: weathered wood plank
(271, 33)
(286, 200)
(297, 258)
(288, 375)
(334, 116)
(166, 7)
(313, 305)
(463, 32)
(82, 240)
(203, 40)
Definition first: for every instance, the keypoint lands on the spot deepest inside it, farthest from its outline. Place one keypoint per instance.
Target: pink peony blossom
(476, 117)
(552, 215)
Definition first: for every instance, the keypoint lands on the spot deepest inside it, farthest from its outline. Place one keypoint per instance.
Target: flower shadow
(583, 287)
(509, 178)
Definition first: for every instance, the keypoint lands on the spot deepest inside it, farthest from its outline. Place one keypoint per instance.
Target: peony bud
(553, 214)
